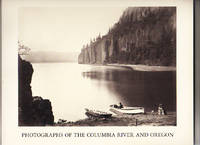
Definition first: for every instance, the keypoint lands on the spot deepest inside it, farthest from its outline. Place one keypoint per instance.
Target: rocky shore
(147, 119)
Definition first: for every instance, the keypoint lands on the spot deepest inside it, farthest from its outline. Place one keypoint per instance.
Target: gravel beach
(147, 119)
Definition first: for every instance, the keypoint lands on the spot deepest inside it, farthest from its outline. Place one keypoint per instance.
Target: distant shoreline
(135, 67)
(141, 67)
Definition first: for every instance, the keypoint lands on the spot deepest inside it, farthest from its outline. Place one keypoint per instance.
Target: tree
(22, 49)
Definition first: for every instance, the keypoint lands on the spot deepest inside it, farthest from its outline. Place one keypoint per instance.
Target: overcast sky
(64, 29)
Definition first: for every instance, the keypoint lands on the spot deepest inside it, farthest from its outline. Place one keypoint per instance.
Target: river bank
(147, 119)
(141, 67)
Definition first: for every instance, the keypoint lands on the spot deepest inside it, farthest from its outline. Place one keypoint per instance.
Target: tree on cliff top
(22, 49)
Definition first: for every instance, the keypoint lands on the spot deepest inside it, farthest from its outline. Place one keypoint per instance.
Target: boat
(97, 114)
(126, 110)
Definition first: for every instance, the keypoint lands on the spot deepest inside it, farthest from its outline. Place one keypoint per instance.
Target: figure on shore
(161, 110)
(120, 105)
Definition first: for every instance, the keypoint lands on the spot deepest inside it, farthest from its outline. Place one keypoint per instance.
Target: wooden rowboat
(97, 114)
(127, 110)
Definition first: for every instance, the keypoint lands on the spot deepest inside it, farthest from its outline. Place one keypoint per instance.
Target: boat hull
(97, 114)
(127, 110)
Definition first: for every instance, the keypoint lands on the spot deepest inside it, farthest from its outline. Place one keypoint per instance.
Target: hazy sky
(64, 28)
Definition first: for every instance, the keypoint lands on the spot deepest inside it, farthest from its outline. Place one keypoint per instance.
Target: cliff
(33, 111)
(142, 36)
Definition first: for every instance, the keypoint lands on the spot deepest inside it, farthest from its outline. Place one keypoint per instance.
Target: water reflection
(73, 87)
(136, 88)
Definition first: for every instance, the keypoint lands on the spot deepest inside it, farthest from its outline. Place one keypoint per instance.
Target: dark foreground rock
(33, 111)
(42, 111)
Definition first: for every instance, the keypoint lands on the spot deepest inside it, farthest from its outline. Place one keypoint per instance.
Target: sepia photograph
(97, 66)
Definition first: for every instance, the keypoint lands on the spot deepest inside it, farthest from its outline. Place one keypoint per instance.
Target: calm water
(73, 87)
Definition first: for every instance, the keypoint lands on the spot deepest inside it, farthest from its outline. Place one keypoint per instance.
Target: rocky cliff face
(141, 36)
(32, 110)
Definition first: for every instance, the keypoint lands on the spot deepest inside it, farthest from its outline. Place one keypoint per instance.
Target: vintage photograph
(97, 66)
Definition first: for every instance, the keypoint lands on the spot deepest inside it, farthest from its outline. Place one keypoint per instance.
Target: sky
(64, 29)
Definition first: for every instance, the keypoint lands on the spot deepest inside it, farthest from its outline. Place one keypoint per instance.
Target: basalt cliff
(33, 111)
(145, 35)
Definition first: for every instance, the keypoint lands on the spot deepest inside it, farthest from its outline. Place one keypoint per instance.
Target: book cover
(100, 72)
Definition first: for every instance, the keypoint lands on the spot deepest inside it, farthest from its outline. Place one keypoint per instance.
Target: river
(72, 87)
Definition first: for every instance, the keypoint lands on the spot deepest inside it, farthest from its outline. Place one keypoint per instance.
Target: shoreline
(135, 67)
(147, 119)
(141, 67)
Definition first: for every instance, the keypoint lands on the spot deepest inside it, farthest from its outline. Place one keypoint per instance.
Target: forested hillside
(141, 36)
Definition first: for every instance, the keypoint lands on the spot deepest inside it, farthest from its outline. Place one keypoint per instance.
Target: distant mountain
(44, 56)
(143, 35)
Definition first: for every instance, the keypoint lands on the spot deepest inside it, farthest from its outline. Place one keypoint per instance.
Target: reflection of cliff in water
(136, 88)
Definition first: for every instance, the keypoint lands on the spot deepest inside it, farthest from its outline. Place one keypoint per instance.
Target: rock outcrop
(33, 111)
(42, 111)
(141, 36)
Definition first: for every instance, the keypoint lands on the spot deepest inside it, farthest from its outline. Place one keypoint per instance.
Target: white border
(183, 131)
